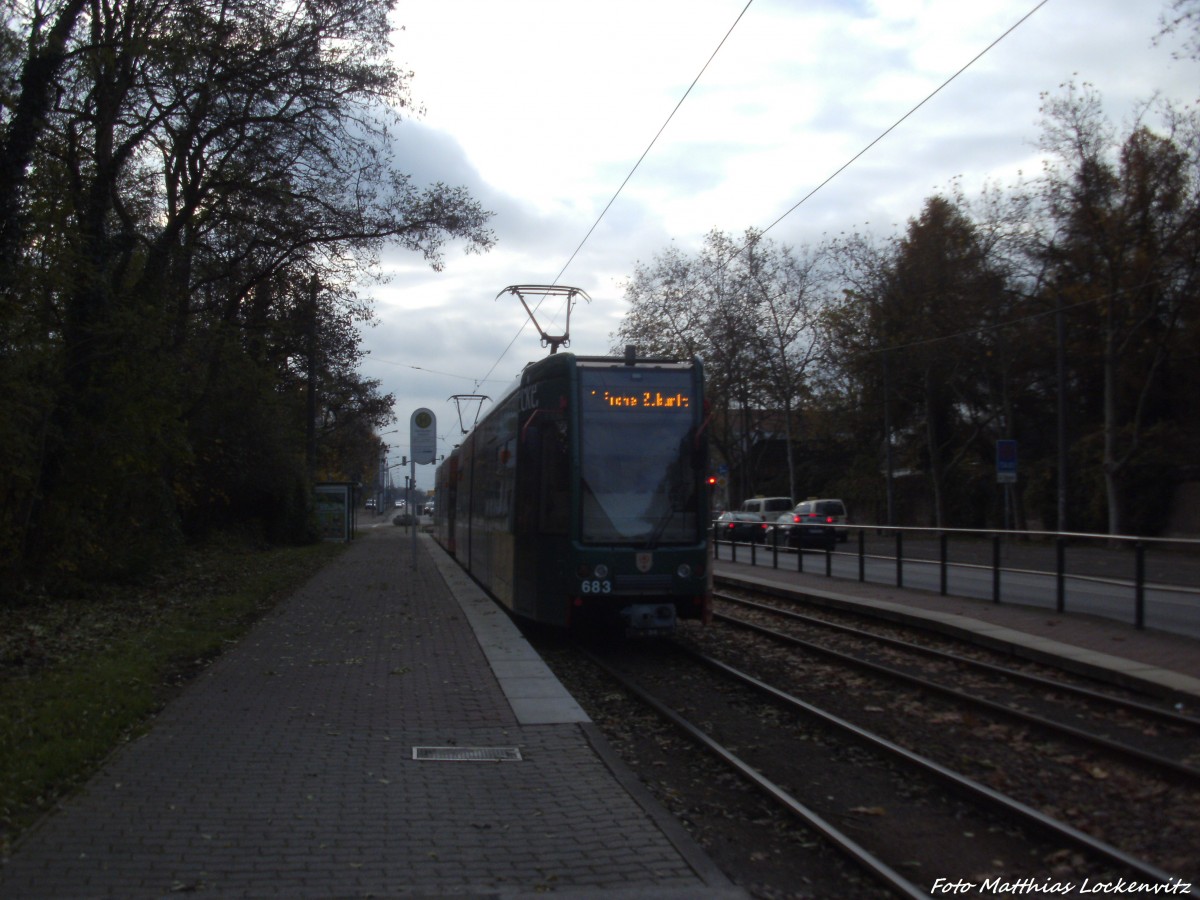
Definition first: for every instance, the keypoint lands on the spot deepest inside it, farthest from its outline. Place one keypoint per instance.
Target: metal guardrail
(1136, 564)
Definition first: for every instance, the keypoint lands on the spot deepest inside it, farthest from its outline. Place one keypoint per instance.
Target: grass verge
(79, 677)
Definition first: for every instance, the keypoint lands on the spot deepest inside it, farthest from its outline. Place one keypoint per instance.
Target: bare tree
(1125, 250)
(788, 293)
(749, 308)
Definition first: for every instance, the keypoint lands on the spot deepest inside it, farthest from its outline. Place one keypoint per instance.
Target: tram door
(543, 516)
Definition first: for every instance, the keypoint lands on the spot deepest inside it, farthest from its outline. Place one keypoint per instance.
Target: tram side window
(554, 497)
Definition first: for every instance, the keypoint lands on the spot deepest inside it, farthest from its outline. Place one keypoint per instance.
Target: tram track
(1127, 797)
(883, 873)
(1135, 791)
(901, 820)
(1058, 702)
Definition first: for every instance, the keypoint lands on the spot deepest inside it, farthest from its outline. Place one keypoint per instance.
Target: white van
(767, 508)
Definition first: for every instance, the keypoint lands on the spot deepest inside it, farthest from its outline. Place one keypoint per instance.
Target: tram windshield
(638, 456)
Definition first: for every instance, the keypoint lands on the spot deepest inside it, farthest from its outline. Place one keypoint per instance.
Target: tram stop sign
(422, 436)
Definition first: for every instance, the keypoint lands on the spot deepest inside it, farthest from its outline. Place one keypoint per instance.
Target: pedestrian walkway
(287, 769)
(1165, 665)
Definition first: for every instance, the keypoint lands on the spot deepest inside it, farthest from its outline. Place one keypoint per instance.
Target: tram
(580, 499)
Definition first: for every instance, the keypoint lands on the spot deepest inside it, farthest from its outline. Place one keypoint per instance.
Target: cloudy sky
(541, 108)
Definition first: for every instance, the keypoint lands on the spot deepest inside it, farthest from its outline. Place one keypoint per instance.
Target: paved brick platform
(287, 769)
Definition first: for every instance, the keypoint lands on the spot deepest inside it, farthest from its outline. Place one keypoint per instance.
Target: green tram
(580, 499)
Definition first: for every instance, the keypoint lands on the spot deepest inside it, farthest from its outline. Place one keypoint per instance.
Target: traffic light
(712, 481)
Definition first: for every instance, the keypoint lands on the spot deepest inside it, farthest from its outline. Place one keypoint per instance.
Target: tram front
(642, 494)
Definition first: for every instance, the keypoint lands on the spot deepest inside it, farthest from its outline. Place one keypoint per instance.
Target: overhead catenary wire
(654, 140)
(901, 120)
(811, 193)
(722, 264)
(734, 254)
(392, 362)
(792, 209)
(617, 193)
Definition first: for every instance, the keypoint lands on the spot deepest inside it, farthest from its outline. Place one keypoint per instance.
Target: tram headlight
(601, 571)
(684, 571)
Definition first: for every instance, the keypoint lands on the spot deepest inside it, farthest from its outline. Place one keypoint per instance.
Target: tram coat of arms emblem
(643, 562)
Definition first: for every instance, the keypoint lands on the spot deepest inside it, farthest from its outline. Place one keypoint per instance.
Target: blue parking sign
(1006, 462)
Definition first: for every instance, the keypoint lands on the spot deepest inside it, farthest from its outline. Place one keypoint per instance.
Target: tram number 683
(596, 587)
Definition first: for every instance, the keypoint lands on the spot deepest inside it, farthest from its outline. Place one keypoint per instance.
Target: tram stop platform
(385, 732)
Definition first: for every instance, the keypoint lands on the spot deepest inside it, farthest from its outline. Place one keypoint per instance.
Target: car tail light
(829, 520)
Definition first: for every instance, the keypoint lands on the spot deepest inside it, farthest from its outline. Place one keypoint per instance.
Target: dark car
(741, 527)
(811, 524)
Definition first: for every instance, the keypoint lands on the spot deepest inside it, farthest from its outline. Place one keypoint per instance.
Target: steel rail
(961, 782)
(1094, 740)
(888, 876)
(1167, 715)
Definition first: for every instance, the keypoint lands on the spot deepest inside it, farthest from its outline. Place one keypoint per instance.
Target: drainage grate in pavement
(469, 754)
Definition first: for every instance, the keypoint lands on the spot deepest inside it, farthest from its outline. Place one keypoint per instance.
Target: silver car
(813, 523)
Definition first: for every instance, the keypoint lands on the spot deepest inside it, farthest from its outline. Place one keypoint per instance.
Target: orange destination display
(643, 400)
